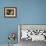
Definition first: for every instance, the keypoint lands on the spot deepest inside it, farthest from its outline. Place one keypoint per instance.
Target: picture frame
(39, 28)
(10, 12)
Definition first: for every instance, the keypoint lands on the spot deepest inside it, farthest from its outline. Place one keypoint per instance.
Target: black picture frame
(10, 12)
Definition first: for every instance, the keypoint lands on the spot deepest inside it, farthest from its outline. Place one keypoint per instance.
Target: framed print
(33, 32)
(10, 12)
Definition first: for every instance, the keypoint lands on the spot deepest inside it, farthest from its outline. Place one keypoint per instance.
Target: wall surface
(28, 12)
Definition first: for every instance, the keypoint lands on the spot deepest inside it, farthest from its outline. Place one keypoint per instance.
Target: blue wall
(28, 12)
